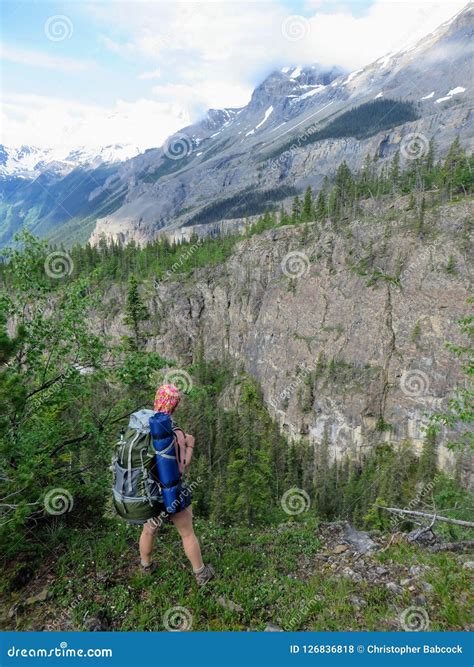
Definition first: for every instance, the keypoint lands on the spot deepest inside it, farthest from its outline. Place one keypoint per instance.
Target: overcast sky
(89, 74)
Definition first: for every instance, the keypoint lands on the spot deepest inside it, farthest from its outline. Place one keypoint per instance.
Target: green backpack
(136, 491)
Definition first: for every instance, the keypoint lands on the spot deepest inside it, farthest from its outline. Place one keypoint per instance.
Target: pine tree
(296, 210)
(394, 174)
(136, 312)
(334, 205)
(454, 168)
(307, 213)
(421, 217)
(12, 391)
(321, 206)
(427, 465)
(345, 184)
(321, 476)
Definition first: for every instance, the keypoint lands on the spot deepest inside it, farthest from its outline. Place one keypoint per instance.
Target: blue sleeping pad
(175, 496)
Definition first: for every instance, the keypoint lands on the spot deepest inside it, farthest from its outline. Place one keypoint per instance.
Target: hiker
(177, 498)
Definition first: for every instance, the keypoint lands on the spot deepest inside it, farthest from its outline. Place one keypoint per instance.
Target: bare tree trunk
(456, 522)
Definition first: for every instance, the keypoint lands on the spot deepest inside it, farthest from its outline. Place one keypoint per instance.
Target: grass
(271, 574)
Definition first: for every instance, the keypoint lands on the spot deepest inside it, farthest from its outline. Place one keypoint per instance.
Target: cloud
(205, 54)
(213, 54)
(53, 122)
(155, 74)
(39, 59)
(249, 36)
(204, 94)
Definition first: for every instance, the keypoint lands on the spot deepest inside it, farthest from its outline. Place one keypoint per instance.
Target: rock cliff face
(345, 329)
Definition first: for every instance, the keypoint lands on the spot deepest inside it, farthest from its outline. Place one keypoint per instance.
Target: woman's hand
(185, 442)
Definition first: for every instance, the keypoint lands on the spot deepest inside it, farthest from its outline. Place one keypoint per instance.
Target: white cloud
(213, 54)
(53, 122)
(204, 95)
(206, 54)
(249, 36)
(155, 74)
(39, 59)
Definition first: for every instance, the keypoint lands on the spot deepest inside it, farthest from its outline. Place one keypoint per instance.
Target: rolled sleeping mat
(175, 497)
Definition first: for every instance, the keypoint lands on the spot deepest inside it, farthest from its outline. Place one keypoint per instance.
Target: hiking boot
(148, 569)
(204, 575)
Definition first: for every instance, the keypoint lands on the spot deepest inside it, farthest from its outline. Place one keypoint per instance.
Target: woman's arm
(184, 450)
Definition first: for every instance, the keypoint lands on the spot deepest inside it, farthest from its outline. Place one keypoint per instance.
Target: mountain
(57, 193)
(300, 124)
(30, 161)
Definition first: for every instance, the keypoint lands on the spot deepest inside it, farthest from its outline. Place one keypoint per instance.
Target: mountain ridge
(259, 146)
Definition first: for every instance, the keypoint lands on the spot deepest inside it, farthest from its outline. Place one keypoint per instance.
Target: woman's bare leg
(146, 542)
(184, 525)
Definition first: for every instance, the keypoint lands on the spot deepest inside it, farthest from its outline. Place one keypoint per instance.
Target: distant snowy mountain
(30, 161)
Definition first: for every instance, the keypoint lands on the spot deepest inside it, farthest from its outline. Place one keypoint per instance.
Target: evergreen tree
(454, 169)
(248, 475)
(344, 182)
(307, 212)
(136, 312)
(395, 172)
(428, 466)
(322, 489)
(284, 218)
(421, 217)
(321, 206)
(296, 210)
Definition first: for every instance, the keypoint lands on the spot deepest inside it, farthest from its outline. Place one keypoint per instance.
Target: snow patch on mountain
(309, 93)
(265, 118)
(452, 92)
(296, 72)
(384, 60)
(351, 76)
